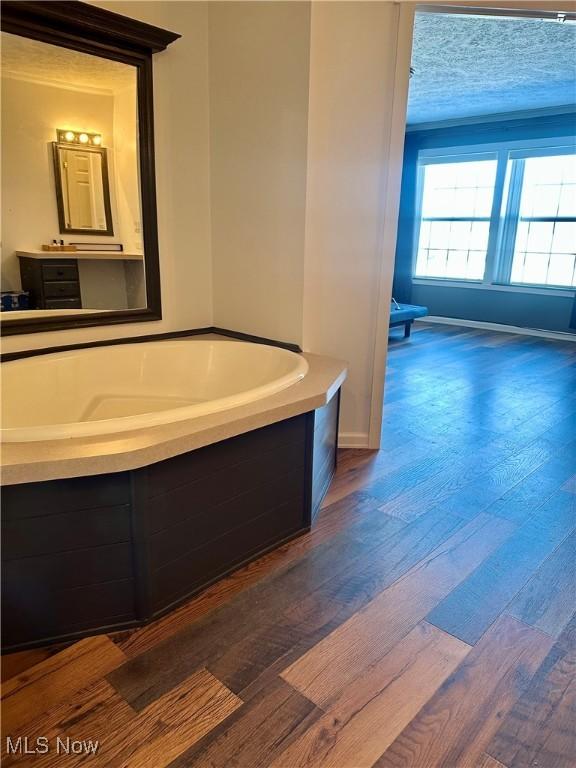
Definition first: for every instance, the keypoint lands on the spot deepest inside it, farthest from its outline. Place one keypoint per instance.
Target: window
(506, 216)
(545, 242)
(455, 221)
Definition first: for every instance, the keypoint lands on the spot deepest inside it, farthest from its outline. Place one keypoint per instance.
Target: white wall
(351, 82)
(259, 53)
(182, 178)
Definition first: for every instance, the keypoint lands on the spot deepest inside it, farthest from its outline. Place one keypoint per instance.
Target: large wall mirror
(79, 242)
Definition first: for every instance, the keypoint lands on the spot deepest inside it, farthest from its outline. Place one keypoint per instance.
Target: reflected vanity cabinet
(52, 284)
(82, 75)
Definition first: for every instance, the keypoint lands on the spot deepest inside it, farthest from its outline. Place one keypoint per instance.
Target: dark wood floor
(428, 621)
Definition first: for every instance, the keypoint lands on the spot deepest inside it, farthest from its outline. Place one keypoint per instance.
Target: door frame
(523, 8)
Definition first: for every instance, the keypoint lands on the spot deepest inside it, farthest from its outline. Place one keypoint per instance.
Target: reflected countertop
(82, 255)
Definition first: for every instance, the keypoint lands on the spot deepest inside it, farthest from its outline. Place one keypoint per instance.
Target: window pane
(479, 235)
(437, 263)
(540, 236)
(460, 234)
(484, 197)
(463, 189)
(439, 234)
(564, 238)
(452, 249)
(544, 251)
(459, 190)
(476, 265)
(535, 268)
(422, 263)
(548, 186)
(561, 266)
(517, 274)
(457, 263)
(567, 204)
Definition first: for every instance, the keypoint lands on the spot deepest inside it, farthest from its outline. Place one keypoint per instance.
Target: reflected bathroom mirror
(79, 243)
(82, 187)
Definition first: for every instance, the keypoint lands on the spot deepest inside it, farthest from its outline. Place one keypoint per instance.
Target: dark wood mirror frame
(92, 30)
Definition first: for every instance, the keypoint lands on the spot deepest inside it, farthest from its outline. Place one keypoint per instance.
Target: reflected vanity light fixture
(66, 136)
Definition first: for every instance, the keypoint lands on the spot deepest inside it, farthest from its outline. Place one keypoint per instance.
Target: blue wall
(529, 310)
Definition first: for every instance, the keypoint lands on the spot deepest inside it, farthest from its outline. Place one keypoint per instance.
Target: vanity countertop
(56, 459)
(82, 255)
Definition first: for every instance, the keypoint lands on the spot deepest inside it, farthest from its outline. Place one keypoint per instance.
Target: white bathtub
(106, 390)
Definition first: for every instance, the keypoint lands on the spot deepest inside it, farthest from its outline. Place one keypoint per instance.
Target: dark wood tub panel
(88, 555)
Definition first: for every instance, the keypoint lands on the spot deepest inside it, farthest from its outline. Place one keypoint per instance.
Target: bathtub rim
(59, 459)
(120, 425)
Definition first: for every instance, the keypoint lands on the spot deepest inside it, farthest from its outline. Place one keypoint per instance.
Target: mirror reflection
(82, 189)
(71, 209)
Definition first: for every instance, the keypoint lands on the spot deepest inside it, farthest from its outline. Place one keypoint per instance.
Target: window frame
(440, 159)
(507, 193)
(509, 223)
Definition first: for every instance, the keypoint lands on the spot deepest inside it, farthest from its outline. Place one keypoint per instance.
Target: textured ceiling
(27, 59)
(467, 66)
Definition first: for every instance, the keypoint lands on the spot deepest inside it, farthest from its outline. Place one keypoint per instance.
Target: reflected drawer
(63, 303)
(63, 289)
(60, 271)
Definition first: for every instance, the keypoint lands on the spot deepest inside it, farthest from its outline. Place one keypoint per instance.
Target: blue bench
(405, 314)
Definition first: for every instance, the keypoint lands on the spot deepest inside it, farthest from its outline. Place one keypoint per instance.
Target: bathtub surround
(37, 461)
(110, 531)
(159, 534)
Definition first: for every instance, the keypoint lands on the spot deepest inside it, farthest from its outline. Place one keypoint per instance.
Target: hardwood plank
(470, 609)
(151, 739)
(434, 462)
(12, 664)
(45, 685)
(548, 599)
(330, 521)
(539, 730)
(366, 467)
(172, 724)
(89, 715)
(524, 499)
(464, 469)
(256, 733)
(486, 761)
(368, 715)
(274, 645)
(326, 669)
(456, 725)
(480, 494)
(151, 674)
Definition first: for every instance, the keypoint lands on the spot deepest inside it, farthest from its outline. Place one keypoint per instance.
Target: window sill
(477, 285)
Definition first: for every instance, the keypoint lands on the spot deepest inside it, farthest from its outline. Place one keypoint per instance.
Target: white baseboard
(353, 440)
(558, 335)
